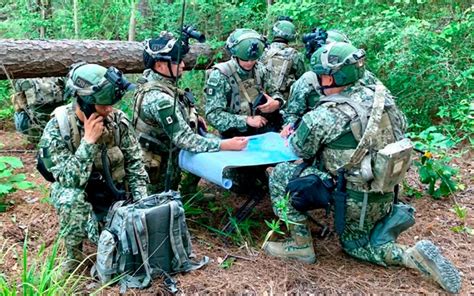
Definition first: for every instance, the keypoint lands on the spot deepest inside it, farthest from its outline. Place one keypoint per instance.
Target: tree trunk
(38, 58)
(76, 18)
(132, 25)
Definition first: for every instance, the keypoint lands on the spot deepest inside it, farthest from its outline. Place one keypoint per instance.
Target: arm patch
(302, 132)
(167, 116)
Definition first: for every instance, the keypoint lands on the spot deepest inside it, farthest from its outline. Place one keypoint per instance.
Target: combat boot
(299, 246)
(427, 258)
(74, 257)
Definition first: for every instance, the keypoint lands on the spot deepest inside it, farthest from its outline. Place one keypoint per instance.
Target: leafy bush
(9, 181)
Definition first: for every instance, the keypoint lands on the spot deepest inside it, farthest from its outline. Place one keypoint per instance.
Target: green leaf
(24, 185)
(14, 162)
(5, 188)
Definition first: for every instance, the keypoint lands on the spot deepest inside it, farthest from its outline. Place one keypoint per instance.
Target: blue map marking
(262, 149)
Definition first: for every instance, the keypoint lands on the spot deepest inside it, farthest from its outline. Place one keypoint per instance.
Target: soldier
(284, 63)
(242, 100)
(233, 88)
(93, 155)
(351, 122)
(305, 92)
(33, 101)
(158, 122)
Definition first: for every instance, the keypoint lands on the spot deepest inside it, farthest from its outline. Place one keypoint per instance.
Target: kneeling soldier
(93, 155)
(357, 135)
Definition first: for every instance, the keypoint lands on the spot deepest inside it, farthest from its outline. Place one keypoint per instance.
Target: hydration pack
(144, 240)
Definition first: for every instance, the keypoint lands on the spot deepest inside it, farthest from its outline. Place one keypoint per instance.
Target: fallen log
(40, 58)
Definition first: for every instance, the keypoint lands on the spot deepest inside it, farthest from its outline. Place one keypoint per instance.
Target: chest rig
(72, 132)
(152, 132)
(243, 92)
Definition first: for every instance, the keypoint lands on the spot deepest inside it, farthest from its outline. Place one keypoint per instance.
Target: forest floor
(247, 269)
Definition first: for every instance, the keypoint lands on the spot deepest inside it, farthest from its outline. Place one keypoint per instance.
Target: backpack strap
(181, 260)
(340, 99)
(371, 129)
(66, 121)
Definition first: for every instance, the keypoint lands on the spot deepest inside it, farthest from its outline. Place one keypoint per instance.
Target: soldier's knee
(70, 198)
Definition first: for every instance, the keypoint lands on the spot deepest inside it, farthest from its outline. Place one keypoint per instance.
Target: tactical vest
(279, 63)
(41, 91)
(152, 131)
(389, 155)
(243, 92)
(111, 138)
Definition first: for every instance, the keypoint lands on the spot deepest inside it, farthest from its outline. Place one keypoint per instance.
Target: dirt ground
(252, 272)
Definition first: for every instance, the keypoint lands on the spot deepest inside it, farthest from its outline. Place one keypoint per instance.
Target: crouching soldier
(34, 100)
(159, 121)
(92, 153)
(354, 135)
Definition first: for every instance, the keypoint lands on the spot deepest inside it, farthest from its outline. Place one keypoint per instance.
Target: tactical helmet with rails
(245, 44)
(341, 60)
(337, 36)
(284, 29)
(164, 48)
(93, 84)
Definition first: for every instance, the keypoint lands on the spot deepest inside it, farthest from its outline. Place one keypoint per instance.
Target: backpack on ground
(144, 240)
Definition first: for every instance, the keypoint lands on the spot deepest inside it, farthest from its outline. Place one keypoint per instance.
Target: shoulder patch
(302, 131)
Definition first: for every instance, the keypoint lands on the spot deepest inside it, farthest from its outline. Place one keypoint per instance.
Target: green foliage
(433, 166)
(41, 274)
(227, 263)
(9, 181)
(6, 108)
(462, 213)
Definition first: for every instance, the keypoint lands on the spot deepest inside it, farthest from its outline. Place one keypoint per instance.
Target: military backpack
(144, 240)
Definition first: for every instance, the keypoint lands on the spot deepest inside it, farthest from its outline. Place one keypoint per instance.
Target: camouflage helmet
(337, 36)
(164, 48)
(245, 44)
(95, 84)
(341, 60)
(284, 29)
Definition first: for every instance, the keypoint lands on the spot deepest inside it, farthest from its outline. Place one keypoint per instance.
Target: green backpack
(144, 240)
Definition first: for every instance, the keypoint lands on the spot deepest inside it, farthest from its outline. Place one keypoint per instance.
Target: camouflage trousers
(378, 206)
(76, 218)
(388, 254)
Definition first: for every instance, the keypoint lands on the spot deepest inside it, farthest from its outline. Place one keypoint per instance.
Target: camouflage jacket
(281, 51)
(227, 107)
(305, 94)
(154, 116)
(73, 169)
(326, 135)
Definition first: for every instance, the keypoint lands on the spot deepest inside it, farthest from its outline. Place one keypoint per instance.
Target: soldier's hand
(256, 121)
(202, 122)
(287, 131)
(270, 106)
(235, 143)
(93, 128)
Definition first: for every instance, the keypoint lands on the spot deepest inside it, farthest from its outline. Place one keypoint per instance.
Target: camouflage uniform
(305, 94)
(318, 135)
(154, 117)
(72, 171)
(33, 101)
(284, 53)
(226, 107)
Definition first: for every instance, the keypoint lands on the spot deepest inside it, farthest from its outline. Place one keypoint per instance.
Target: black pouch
(309, 192)
(41, 156)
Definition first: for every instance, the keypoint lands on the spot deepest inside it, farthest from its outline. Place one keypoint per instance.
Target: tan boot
(299, 246)
(427, 258)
